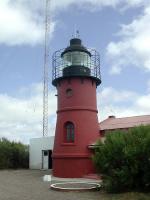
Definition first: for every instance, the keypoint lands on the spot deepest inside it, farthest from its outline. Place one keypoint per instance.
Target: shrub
(13, 155)
(124, 160)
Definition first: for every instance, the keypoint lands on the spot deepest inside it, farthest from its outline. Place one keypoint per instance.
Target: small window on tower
(69, 132)
(69, 92)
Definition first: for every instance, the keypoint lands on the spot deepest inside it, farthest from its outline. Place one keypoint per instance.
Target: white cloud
(143, 103)
(97, 4)
(22, 21)
(116, 96)
(135, 3)
(148, 85)
(134, 47)
(21, 117)
(122, 103)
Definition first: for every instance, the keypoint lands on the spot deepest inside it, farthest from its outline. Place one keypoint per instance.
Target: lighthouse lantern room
(76, 75)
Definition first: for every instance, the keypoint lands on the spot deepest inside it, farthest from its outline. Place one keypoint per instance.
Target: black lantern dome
(76, 61)
(75, 45)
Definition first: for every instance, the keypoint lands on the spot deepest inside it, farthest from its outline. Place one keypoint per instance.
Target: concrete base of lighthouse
(75, 166)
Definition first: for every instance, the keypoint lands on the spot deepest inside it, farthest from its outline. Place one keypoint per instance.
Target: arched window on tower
(69, 132)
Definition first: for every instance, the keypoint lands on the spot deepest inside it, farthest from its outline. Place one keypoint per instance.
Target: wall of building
(35, 151)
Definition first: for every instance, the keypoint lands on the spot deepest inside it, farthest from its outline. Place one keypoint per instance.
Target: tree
(13, 155)
(124, 159)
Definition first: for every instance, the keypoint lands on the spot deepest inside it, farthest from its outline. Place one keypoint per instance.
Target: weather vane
(76, 33)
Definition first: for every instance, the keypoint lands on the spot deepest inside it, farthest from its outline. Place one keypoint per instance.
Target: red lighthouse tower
(76, 74)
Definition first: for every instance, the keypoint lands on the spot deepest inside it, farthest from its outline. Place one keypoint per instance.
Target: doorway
(46, 159)
(50, 160)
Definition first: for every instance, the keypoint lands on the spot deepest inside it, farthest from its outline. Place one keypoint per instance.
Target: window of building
(69, 132)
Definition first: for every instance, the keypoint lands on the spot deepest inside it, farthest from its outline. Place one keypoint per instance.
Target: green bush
(124, 160)
(13, 155)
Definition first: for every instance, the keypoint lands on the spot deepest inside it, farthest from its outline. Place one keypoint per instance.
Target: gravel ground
(29, 185)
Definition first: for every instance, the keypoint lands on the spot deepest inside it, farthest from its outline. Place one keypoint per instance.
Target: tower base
(72, 167)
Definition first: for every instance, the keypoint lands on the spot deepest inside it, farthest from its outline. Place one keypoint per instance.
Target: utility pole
(46, 68)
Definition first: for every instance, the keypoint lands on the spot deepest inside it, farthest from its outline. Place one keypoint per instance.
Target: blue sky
(118, 29)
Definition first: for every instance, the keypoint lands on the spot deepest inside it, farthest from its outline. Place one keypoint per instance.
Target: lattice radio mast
(45, 72)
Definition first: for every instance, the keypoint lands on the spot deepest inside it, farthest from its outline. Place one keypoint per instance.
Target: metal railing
(58, 64)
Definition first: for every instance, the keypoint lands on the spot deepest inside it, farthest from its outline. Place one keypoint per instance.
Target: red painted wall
(74, 159)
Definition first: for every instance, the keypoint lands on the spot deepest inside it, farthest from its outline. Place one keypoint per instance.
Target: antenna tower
(45, 72)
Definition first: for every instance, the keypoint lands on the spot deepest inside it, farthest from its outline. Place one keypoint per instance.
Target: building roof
(112, 122)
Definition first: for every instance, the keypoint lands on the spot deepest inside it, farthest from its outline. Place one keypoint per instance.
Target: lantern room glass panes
(76, 58)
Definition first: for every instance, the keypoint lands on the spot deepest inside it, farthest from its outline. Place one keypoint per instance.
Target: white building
(40, 152)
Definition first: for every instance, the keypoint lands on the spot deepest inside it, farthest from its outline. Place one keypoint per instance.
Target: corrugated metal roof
(126, 122)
